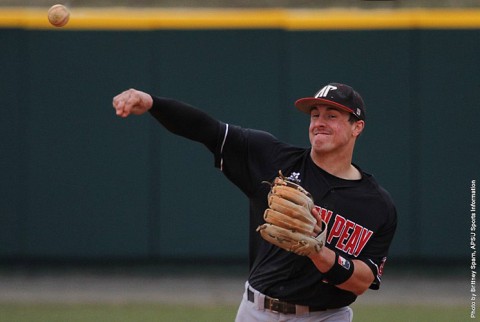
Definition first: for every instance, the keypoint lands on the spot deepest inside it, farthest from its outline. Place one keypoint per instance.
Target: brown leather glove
(289, 221)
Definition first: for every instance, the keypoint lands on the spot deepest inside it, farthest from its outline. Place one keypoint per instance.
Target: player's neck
(337, 165)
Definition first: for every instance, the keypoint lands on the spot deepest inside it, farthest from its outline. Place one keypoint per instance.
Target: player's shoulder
(249, 133)
(261, 140)
(378, 189)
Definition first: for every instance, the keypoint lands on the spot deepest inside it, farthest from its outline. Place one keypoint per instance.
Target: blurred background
(84, 191)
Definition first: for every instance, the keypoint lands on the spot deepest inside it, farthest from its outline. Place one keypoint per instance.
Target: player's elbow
(360, 290)
(362, 279)
(363, 285)
(357, 288)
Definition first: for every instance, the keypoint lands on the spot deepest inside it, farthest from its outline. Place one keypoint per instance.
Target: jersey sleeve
(376, 251)
(186, 120)
(377, 262)
(245, 156)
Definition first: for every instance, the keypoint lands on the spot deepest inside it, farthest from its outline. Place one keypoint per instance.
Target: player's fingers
(123, 104)
(119, 107)
(316, 214)
(318, 226)
(133, 102)
(118, 103)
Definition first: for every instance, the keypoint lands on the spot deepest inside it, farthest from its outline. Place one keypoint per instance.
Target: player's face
(330, 129)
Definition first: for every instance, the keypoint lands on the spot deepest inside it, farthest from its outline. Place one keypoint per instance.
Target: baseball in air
(58, 15)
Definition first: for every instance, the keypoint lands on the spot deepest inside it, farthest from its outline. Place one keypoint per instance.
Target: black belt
(276, 305)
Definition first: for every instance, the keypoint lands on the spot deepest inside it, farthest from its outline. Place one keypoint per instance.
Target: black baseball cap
(337, 95)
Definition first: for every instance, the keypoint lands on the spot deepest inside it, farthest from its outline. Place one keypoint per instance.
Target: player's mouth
(320, 132)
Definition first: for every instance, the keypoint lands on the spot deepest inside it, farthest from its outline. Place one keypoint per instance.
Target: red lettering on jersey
(325, 214)
(352, 237)
(366, 234)
(345, 234)
(353, 240)
(337, 228)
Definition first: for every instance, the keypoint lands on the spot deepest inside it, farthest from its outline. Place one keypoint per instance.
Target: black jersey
(360, 215)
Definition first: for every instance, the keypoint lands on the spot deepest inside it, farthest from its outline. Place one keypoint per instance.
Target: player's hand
(132, 101)
(318, 227)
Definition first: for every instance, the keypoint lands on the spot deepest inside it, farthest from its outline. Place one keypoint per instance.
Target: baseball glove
(289, 221)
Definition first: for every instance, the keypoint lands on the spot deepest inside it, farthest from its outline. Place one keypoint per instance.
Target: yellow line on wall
(288, 19)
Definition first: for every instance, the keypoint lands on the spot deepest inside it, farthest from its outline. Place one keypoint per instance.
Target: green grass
(159, 313)
(112, 312)
(407, 313)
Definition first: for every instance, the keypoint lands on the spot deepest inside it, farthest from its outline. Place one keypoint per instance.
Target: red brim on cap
(305, 104)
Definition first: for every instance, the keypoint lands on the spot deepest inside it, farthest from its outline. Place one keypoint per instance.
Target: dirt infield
(79, 286)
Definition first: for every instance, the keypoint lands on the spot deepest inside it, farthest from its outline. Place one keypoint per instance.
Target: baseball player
(314, 277)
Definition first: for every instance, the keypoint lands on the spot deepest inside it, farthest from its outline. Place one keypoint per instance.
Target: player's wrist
(149, 101)
(341, 270)
(323, 259)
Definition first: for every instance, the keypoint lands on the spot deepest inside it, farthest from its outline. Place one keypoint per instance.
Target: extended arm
(177, 117)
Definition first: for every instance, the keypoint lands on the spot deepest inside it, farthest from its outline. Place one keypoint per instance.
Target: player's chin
(320, 142)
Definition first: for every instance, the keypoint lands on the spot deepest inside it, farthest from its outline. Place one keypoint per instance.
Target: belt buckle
(275, 305)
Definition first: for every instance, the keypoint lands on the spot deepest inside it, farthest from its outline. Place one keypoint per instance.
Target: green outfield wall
(79, 183)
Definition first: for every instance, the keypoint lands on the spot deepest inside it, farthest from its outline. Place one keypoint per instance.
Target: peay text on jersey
(352, 237)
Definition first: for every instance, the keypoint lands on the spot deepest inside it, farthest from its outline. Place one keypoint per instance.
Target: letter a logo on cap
(324, 91)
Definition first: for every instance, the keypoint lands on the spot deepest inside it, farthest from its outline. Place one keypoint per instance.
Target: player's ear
(358, 128)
